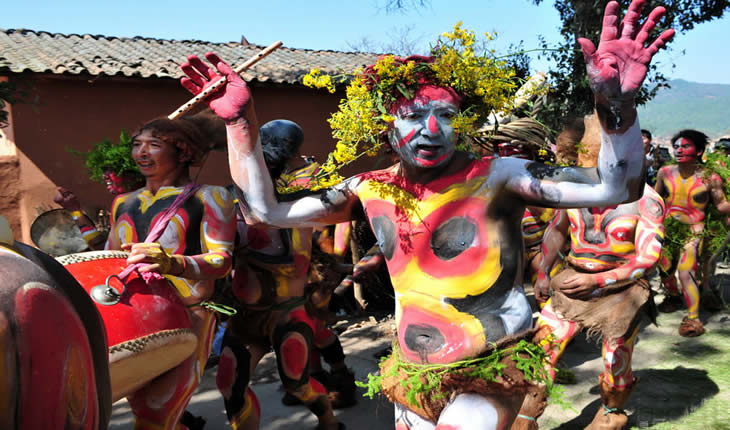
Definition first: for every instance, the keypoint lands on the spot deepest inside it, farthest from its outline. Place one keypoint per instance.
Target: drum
(148, 328)
(55, 232)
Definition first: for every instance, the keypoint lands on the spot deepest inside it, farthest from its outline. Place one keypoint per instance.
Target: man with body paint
(271, 272)
(449, 225)
(195, 249)
(116, 185)
(603, 289)
(687, 193)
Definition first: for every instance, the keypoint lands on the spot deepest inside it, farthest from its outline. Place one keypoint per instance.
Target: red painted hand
(67, 199)
(618, 67)
(229, 102)
(579, 286)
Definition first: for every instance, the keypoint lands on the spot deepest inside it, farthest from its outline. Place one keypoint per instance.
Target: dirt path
(684, 383)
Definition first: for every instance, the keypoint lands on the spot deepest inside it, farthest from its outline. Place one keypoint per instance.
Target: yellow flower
(485, 83)
(315, 79)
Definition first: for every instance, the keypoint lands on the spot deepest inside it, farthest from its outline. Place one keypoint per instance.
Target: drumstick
(218, 83)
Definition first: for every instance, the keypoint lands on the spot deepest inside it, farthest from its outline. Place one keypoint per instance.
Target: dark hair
(280, 142)
(193, 135)
(646, 133)
(698, 138)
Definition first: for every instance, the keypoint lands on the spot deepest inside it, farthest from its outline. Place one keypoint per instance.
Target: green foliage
(426, 378)
(676, 235)
(572, 96)
(105, 155)
(716, 229)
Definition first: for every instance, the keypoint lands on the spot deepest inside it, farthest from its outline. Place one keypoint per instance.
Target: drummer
(194, 249)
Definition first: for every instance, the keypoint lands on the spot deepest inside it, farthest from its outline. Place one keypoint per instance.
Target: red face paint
(432, 124)
(427, 93)
(406, 138)
(422, 135)
(685, 151)
(431, 163)
(114, 183)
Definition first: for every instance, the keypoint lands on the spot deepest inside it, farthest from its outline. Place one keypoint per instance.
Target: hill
(705, 107)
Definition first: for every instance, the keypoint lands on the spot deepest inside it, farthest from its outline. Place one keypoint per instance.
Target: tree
(582, 18)
(403, 5)
(401, 42)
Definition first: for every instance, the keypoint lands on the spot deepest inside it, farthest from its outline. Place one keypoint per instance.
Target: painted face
(155, 158)
(114, 183)
(685, 151)
(422, 135)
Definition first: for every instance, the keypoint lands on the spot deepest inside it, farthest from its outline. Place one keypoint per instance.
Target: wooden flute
(219, 82)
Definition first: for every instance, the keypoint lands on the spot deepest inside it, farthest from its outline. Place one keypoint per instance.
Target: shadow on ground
(660, 395)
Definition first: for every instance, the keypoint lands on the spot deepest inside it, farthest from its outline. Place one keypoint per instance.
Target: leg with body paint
(293, 339)
(160, 404)
(341, 380)
(405, 419)
(691, 326)
(616, 382)
(554, 335)
(672, 301)
(475, 412)
(242, 406)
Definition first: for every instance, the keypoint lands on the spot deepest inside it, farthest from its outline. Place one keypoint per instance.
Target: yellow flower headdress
(484, 83)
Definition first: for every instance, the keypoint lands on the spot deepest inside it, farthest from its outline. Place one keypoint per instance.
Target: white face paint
(422, 135)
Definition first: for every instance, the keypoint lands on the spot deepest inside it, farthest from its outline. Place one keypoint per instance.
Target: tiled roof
(43, 52)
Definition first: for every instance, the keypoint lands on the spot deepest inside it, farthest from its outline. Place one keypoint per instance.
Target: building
(80, 89)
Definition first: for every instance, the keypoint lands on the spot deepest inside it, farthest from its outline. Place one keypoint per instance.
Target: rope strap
(609, 410)
(216, 307)
(525, 417)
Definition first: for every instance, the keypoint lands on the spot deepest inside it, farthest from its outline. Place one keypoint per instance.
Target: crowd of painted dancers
(459, 235)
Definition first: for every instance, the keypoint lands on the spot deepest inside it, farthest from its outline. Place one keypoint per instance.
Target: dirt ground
(684, 383)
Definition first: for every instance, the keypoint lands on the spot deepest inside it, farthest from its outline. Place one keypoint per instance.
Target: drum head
(55, 232)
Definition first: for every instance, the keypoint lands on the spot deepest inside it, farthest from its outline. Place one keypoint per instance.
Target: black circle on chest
(384, 230)
(453, 237)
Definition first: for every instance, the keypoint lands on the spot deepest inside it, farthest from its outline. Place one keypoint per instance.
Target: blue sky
(326, 24)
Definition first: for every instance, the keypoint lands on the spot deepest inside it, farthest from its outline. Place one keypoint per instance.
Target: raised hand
(229, 102)
(618, 67)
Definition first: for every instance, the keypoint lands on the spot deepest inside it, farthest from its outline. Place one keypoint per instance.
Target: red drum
(148, 328)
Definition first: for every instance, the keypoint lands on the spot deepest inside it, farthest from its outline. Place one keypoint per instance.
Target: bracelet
(76, 215)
